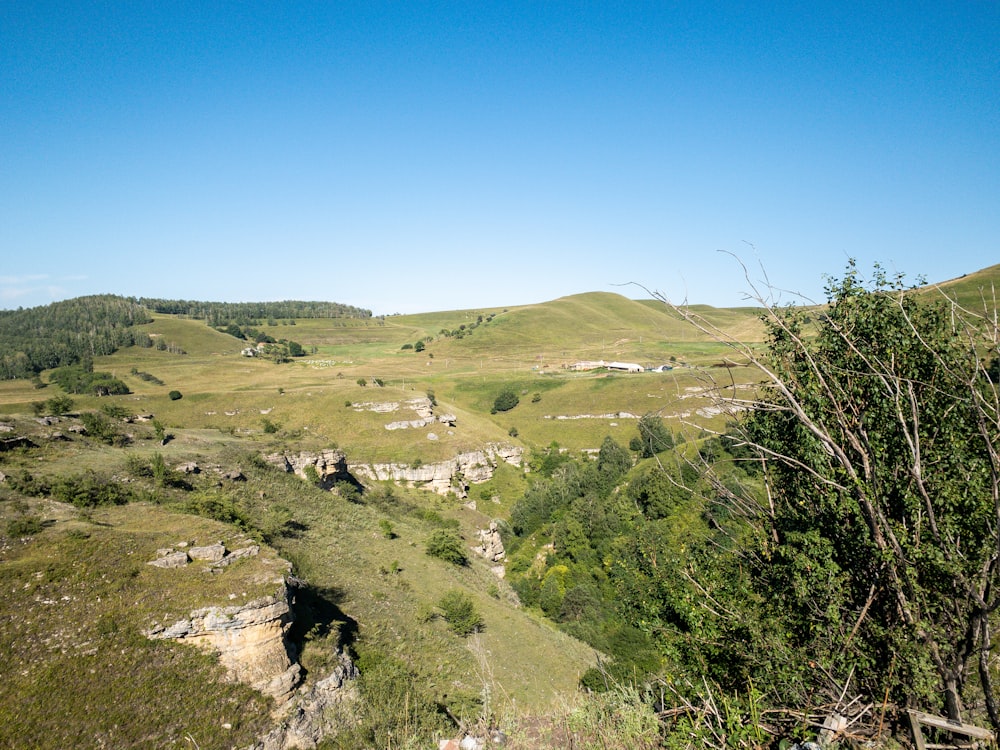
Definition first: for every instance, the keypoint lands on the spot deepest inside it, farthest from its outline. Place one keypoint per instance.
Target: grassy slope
(77, 670)
(976, 292)
(343, 547)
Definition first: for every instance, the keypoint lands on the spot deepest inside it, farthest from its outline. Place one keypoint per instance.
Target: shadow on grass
(318, 615)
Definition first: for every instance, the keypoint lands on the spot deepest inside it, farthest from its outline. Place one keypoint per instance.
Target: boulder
(171, 560)
(211, 553)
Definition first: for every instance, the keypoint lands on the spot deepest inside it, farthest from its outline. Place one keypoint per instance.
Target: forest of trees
(68, 332)
(220, 314)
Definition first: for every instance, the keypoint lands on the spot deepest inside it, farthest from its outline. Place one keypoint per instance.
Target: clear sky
(410, 156)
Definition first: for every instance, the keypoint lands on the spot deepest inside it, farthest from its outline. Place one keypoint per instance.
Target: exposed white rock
(171, 560)
(250, 641)
(454, 475)
(211, 552)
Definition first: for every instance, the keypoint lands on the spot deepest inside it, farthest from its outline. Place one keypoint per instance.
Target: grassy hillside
(367, 560)
(381, 588)
(976, 292)
(317, 400)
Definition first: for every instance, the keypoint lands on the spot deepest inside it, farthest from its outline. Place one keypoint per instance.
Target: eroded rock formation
(454, 475)
(250, 640)
(315, 713)
(330, 465)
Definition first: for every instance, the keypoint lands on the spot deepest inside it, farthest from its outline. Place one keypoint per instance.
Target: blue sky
(413, 156)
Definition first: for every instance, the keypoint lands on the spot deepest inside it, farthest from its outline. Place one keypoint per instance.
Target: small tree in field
(447, 545)
(459, 611)
(506, 400)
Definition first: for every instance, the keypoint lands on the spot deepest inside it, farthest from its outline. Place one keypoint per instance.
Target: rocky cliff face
(454, 475)
(250, 640)
(330, 465)
(318, 712)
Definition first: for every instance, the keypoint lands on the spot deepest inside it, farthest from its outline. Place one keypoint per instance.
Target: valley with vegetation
(593, 522)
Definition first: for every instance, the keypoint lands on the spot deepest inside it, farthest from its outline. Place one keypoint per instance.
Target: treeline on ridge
(219, 314)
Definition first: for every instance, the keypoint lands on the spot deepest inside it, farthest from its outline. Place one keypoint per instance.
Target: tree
(612, 459)
(447, 545)
(419, 346)
(459, 611)
(653, 437)
(506, 400)
(878, 543)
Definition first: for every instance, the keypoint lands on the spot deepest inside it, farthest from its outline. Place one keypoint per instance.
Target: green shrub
(459, 611)
(89, 490)
(174, 395)
(100, 427)
(27, 484)
(506, 400)
(312, 474)
(159, 430)
(116, 411)
(58, 405)
(218, 506)
(447, 545)
(24, 526)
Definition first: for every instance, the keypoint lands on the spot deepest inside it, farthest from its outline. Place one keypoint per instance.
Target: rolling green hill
(367, 557)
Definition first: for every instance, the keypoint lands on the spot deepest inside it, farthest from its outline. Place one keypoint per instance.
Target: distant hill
(976, 292)
(63, 333)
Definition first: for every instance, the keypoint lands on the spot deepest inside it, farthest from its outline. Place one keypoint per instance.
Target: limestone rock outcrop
(315, 713)
(330, 465)
(490, 544)
(250, 640)
(454, 475)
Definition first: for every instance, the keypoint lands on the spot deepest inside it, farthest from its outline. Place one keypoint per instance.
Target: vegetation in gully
(788, 533)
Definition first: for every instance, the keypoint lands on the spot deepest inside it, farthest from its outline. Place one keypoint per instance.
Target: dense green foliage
(65, 333)
(595, 576)
(878, 555)
(81, 379)
(459, 611)
(219, 314)
(447, 545)
(653, 437)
